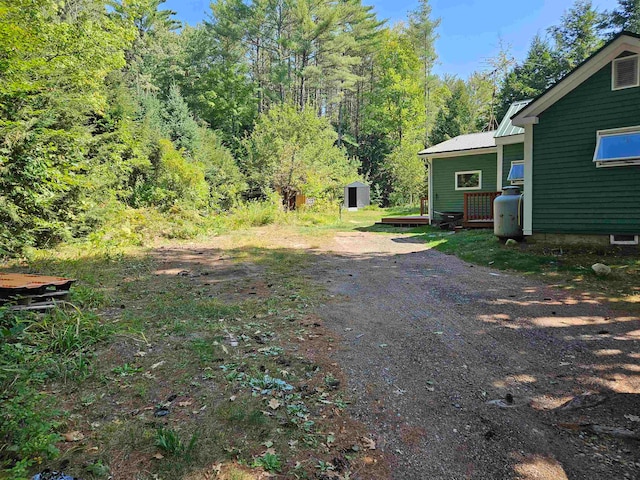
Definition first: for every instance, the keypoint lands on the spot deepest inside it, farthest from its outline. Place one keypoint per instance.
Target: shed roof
(461, 143)
(358, 184)
(507, 128)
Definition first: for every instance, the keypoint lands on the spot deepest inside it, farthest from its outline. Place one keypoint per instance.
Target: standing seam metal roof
(471, 141)
(507, 128)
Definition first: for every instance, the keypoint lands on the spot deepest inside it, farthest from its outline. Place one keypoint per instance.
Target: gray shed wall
(363, 196)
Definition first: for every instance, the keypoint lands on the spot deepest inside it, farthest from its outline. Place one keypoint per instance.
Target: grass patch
(483, 248)
(568, 267)
(176, 373)
(37, 352)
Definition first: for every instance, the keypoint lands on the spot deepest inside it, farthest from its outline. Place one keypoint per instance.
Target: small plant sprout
(269, 461)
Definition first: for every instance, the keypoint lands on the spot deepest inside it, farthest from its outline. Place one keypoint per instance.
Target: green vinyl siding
(571, 195)
(445, 196)
(509, 154)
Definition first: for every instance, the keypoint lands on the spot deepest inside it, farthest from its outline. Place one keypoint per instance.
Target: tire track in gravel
(428, 339)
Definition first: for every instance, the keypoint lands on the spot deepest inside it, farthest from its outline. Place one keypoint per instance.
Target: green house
(467, 172)
(575, 150)
(582, 150)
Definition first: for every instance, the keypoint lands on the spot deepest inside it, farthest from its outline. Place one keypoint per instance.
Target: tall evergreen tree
(422, 34)
(180, 124)
(578, 35)
(455, 118)
(540, 69)
(625, 17)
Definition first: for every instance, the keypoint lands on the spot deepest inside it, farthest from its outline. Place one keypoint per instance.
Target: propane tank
(507, 213)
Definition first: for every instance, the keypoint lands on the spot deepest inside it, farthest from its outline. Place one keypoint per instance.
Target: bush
(175, 181)
(256, 214)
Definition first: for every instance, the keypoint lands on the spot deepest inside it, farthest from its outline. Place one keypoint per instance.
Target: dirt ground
(460, 371)
(452, 370)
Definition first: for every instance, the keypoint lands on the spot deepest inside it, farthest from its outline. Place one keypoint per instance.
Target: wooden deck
(411, 221)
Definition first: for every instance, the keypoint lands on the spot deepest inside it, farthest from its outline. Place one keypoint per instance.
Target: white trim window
(625, 72)
(469, 180)
(617, 147)
(516, 172)
(623, 239)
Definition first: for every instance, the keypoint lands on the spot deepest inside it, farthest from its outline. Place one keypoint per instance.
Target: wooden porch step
(413, 221)
(478, 224)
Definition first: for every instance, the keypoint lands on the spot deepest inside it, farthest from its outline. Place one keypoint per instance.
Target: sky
(470, 30)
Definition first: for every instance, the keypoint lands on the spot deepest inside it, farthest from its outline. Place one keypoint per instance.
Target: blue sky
(470, 30)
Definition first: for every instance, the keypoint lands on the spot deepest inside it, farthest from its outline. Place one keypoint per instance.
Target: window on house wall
(617, 147)
(623, 239)
(625, 73)
(469, 180)
(516, 172)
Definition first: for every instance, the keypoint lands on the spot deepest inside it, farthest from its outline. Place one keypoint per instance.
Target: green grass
(37, 352)
(567, 267)
(483, 248)
(144, 338)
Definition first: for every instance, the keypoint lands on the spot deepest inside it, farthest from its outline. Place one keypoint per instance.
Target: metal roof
(471, 141)
(357, 184)
(507, 128)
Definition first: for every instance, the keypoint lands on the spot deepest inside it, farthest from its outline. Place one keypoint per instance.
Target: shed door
(353, 197)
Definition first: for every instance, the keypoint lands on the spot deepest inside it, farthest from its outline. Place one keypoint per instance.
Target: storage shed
(357, 195)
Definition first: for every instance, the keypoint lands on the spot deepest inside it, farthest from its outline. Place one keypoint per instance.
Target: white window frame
(516, 182)
(469, 172)
(619, 162)
(613, 73)
(613, 241)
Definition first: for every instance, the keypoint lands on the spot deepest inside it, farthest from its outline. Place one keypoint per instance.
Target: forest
(113, 110)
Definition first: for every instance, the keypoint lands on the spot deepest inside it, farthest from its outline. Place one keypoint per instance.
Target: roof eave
(459, 153)
(510, 139)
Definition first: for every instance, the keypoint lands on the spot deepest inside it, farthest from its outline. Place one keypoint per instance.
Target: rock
(161, 412)
(587, 400)
(74, 436)
(511, 243)
(601, 269)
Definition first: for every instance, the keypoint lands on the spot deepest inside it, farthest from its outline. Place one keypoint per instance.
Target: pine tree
(455, 118)
(625, 17)
(578, 35)
(422, 34)
(540, 69)
(180, 124)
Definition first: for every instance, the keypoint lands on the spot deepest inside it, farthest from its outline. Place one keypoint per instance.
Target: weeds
(267, 384)
(270, 462)
(35, 349)
(126, 370)
(169, 442)
(176, 320)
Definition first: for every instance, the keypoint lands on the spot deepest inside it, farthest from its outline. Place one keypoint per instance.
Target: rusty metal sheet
(28, 281)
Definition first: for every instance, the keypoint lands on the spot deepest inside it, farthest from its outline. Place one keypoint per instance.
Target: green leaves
(294, 152)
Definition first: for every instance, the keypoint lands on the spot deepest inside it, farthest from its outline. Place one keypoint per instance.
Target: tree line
(114, 105)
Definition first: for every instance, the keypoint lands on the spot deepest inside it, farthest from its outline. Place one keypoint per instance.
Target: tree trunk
(302, 85)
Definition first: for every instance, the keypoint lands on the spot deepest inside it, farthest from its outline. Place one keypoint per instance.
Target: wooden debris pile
(23, 291)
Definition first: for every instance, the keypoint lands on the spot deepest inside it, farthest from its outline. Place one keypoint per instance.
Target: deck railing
(424, 206)
(478, 206)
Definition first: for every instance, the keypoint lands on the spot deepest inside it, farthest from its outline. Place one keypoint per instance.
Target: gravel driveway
(429, 341)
